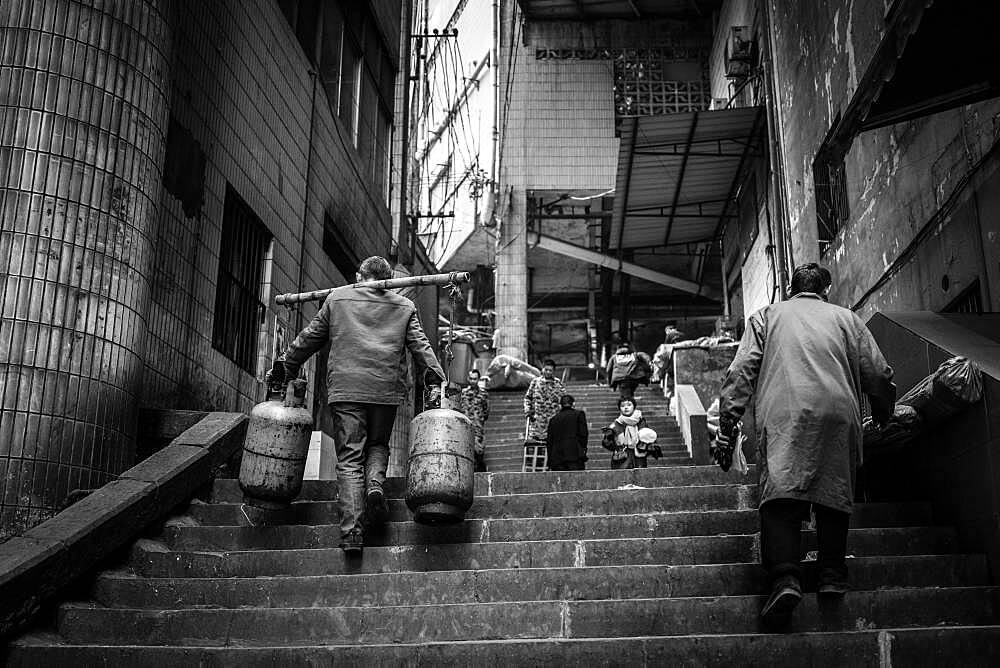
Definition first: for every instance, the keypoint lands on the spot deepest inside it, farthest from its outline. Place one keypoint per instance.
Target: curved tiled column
(83, 113)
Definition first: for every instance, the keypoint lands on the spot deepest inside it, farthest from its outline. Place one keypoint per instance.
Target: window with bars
(970, 300)
(830, 183)
(239, 294)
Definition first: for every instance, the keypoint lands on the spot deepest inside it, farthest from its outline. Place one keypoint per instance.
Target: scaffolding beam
(600, 259)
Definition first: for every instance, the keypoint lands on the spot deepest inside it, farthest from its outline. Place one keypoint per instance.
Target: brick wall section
(242, 88)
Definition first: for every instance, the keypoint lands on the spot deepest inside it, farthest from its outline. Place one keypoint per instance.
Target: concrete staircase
(643, 567)
(505, 429)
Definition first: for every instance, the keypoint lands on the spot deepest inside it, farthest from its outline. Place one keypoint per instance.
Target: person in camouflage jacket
(476, 406)
(541, 401)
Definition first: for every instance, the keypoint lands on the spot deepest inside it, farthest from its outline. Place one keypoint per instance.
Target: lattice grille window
(644, 84)
(644, 88)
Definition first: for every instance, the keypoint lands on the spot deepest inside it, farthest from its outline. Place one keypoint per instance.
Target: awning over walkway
(589, 10)
(679, 174)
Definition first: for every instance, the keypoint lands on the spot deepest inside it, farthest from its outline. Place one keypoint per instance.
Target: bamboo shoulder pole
(452, 278)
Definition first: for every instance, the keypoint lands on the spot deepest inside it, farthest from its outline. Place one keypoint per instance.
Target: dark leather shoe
(352, 543)
(833, 583)
(375, 506)
(833, 589)
(785, 595)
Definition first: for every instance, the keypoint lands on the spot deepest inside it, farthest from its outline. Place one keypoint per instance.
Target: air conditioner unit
(739, 52)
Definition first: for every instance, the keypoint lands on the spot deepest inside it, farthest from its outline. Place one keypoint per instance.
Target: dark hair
(475, 371)
(566, 400)
(549, 362)
(375, 268)
(810, 277)
(631, 400)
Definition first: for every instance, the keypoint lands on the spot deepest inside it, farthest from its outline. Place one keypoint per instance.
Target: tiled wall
(241, 86)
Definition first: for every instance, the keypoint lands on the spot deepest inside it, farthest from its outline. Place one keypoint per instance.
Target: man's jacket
(567, 437)
(805, 363)
(369, 332)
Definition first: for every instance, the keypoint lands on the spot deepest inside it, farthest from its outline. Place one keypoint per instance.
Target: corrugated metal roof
(583, 10)
(677, 174)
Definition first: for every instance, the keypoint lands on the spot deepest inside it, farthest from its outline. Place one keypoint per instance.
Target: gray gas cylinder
(439, 480)
(275, 449)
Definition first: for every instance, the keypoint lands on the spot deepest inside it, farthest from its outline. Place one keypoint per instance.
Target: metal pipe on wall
(775, 155)
(83, 118)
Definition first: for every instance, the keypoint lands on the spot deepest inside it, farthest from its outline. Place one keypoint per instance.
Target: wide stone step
(313, 552)
(227, 490)
(156, 560)
(556, 504)
(912, 540)
(513, 464)
(125, 590)
(645, 525)
(180, 533)
(886, 608)
(317, 513)
(946, 646)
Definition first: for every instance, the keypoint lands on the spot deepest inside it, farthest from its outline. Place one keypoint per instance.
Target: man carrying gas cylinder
(369, 331)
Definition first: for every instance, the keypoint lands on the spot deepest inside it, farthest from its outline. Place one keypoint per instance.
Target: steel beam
(600, 259)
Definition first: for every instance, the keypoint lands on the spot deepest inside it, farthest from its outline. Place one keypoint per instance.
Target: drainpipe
(495, 66)
(725, 284)
(402, 222)
(774, 151)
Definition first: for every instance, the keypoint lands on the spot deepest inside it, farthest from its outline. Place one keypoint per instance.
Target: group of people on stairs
(803, 363)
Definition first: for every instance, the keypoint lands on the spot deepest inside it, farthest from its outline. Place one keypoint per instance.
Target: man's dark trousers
(781, 542)
(569, 466)
(361, 438)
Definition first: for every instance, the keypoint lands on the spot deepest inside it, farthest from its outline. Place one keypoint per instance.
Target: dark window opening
(970, 300)
(239, 302)
(339, 248)
(184, 168)
(830, 181)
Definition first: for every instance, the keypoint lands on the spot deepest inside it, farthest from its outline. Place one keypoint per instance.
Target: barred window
(830, 182)
(239, 294)
(970, 300)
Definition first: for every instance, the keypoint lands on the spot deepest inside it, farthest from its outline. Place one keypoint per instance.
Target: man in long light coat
(806, 362)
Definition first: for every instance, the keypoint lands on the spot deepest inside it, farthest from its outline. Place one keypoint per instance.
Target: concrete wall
(242, 88)
(558, 137)
(748, 241)
(898, 177)
(957, 463)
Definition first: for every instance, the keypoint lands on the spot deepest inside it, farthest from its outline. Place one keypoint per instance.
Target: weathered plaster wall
(897, 176)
